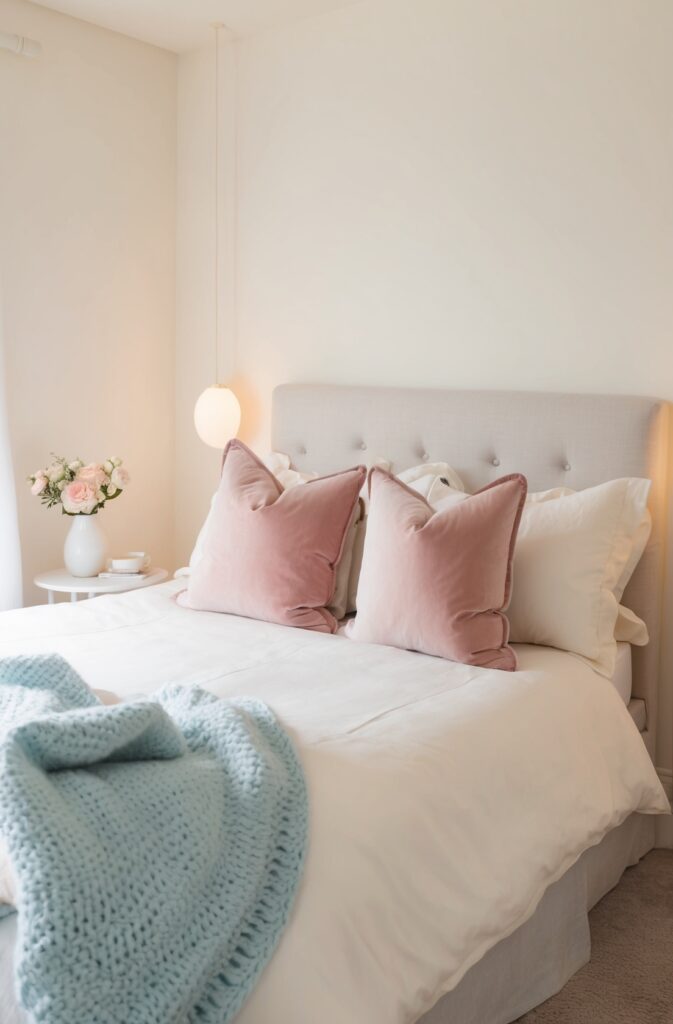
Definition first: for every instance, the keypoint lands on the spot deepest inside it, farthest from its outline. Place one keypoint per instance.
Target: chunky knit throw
(157, 846)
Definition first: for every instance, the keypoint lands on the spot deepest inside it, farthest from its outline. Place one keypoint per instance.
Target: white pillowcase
(574, 555)
(629, 627)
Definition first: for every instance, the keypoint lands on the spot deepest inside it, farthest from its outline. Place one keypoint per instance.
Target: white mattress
(413, 764)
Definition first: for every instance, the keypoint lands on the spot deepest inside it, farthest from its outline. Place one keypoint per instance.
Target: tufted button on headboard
(556, 440)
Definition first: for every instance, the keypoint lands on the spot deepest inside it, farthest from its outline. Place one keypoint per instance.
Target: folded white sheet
(444, 799)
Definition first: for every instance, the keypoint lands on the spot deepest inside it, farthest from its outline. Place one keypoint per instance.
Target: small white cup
(132, 561)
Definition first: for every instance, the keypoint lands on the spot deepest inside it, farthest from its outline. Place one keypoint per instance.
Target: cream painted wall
(463, 193)
(87, 262)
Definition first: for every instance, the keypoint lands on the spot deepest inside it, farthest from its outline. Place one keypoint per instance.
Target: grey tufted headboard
(571, 440)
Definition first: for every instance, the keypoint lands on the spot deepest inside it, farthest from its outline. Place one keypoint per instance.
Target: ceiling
(184, 24)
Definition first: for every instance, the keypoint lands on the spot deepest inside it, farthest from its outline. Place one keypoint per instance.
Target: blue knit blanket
(157, 846)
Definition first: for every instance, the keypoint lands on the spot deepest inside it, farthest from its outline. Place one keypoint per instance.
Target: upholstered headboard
(556, 440)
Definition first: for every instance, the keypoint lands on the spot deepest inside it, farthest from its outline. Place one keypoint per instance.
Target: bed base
(536, 960)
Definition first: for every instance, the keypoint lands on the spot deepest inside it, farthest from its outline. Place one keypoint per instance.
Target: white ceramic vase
(85, 546)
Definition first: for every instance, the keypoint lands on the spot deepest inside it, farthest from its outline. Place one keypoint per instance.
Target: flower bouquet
(81, 490)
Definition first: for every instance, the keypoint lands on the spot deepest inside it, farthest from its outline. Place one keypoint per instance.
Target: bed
(463, 820)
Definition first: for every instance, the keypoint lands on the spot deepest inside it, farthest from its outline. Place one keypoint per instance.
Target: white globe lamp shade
(217, 416)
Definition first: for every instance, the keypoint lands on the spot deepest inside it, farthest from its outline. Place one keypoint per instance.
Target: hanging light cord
(217, 201)
(233, 339)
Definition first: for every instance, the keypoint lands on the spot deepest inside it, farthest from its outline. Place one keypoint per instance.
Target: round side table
(59, 581)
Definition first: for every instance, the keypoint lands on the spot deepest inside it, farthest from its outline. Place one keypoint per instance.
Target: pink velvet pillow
(271, 554)
(438, 582)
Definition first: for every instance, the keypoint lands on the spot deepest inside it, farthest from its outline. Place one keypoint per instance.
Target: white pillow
(629, 627)
(432, 480)
(573, 557)
(280, 465)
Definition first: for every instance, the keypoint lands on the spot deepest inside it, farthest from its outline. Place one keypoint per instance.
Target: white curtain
(11, 592)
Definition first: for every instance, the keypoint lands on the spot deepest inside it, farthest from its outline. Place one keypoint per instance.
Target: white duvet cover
(444, 798)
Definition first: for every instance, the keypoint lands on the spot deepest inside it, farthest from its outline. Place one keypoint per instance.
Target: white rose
(120, 477)
(115, 461)
(111, 490)
(55, 472)
(108, 466)
(75, 465)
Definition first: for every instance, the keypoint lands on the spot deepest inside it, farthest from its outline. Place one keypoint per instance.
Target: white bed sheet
(413, 765)
(622, 677)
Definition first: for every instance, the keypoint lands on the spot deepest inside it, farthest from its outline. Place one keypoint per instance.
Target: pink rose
(39, 484)
(120, 477)
(93, 474)
(79, 497)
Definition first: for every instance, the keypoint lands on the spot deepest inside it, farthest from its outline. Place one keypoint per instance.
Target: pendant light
(217, 414)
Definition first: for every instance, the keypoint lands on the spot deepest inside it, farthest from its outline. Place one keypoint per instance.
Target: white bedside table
(59, 581)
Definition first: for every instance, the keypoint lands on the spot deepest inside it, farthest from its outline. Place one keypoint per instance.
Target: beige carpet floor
(629, 979)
